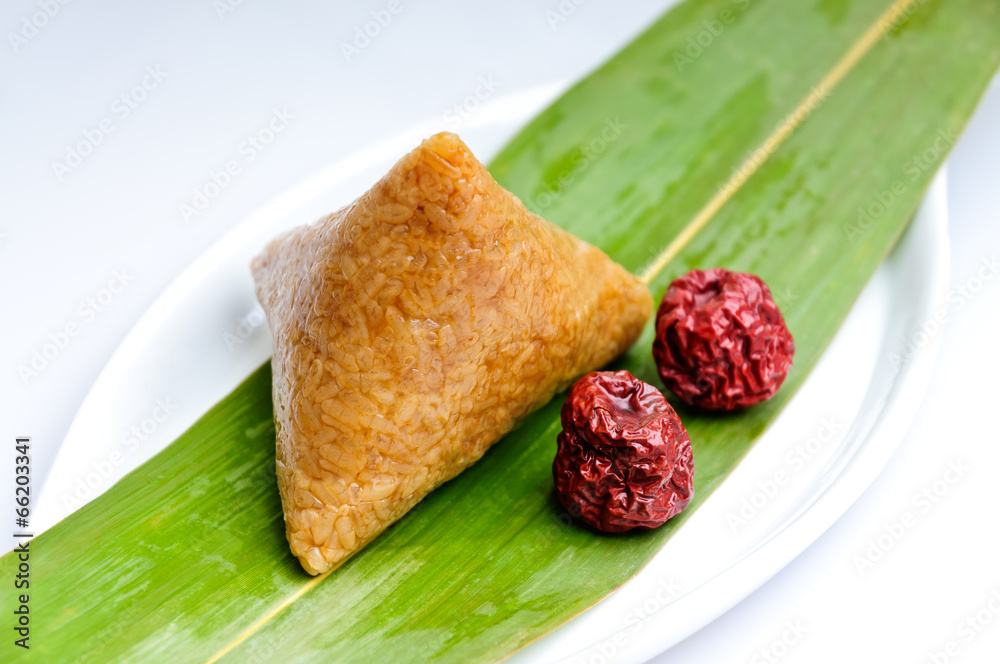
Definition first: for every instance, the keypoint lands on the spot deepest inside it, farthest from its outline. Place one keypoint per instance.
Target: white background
(61, 240)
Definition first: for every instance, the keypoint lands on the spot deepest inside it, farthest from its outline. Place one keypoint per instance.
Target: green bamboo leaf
(765, 150)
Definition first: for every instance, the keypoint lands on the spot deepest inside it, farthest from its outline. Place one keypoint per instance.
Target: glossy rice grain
(413, 329)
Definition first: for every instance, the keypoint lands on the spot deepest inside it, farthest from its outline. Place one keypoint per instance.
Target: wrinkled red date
(721, 341)
(624, 459)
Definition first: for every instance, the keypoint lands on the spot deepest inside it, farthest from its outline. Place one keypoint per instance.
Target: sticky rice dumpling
(414, 328)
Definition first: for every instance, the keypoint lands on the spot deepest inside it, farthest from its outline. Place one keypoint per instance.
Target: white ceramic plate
(206, 333)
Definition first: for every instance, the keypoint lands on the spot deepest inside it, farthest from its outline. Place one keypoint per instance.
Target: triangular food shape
(414, 328)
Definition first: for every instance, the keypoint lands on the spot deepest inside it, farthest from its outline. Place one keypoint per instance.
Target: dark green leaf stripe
(186, 556)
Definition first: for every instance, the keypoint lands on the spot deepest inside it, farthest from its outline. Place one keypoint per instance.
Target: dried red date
(721, 341)
(624, 459)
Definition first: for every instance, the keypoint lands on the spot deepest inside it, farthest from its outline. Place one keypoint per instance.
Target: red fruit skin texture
(721, 342)
(624, 459)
